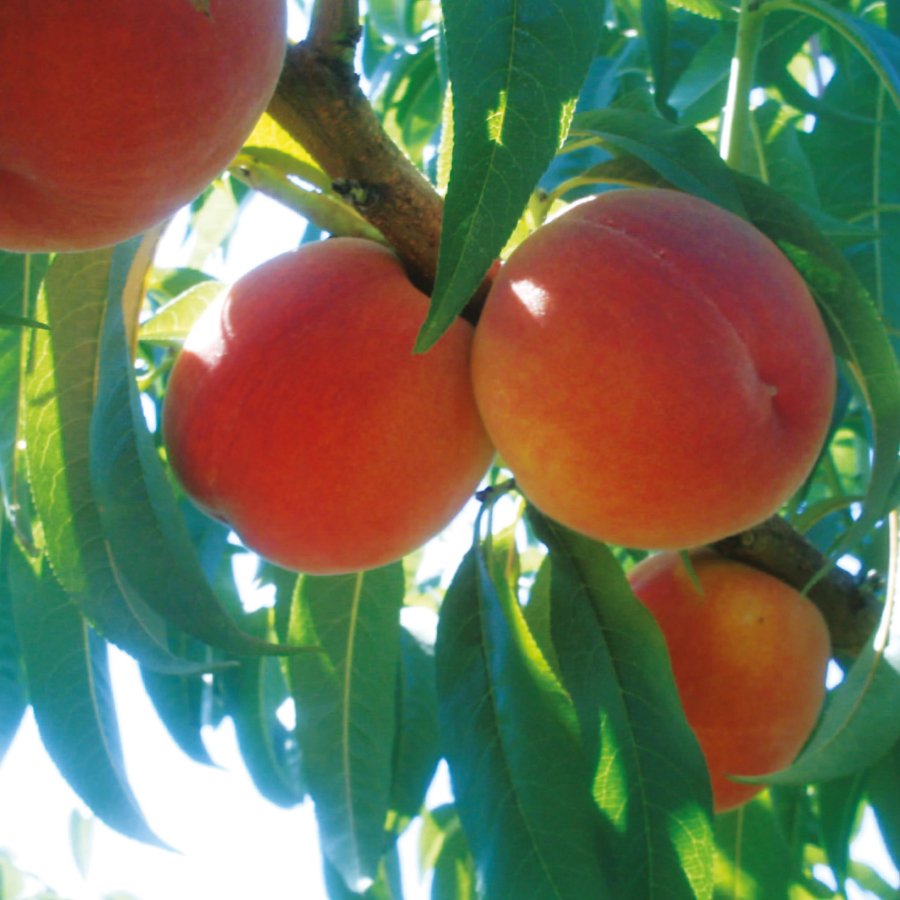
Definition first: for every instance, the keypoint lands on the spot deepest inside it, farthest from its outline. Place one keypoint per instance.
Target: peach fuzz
(749, 655)
(298, 413)
(653, 370)
(116, 113)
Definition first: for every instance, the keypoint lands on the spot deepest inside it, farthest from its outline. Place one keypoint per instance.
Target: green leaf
(839, 804)
(521, 782)
(753, 856)
(59, 392)
(13, 697)
(857, 331)
(613, 660)
(417, 744)
(255, 691)
(682, 156)
(143, 530)
(657, 39)
(879, 48)
(20, 277)
(346, 709)
(68, 683)
(859, 724)
(883, 791)
(399, 20)
(172, 322)
(447, 852)
(180, 700)
(516, 67)
(409, 99)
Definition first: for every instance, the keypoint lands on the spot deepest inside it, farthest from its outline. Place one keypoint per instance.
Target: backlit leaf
(59, 394)
(859, 724)
(68, 683)
(516, 67)
(346, 701)
(521, 783)
(613, 660)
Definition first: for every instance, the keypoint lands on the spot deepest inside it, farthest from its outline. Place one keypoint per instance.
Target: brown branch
(773, 546)
(319, 102)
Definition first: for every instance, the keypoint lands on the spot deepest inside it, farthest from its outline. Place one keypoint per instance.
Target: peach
(653, 370)
(298, 413)
(116, 113)
(749, 655)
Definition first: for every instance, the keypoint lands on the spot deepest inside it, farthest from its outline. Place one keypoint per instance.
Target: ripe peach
(653, 370)
(115, 114)
(298, 413)
(749, 655)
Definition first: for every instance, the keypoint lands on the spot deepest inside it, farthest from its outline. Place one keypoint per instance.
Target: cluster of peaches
(650, 367)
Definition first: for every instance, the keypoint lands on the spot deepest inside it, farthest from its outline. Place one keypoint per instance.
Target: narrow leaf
(172, 322)
(683, 156)
(516, 67)
(70, 691)
(859, 724)
(880, 48)
(59, 398)
(651, 781)
(417, 743)
(858, 334)
(883, 789)
(13, 697)
(753, 856)
(144, 532)
(346, 709)
(521, 782)
(255, 691)
(181, 701)
(20, 276)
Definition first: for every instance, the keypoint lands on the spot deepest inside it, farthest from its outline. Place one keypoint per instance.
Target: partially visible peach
(653, 370)
(749, 655)
(117, 113)
(298, 413)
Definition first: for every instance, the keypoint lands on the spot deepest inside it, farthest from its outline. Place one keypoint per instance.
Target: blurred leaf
(879, 48)
(859, 724)
(444, 849)
(521, 783)
(417, 744)
(60, 389)
(410, 98)
(399, 20)
(213, 219)
(753, 855)
(883, 791)
(68, 683)
(13, 696)
(173, 321)
(81, 840)
(346, 709)
(516, 67)
(270, 143)
(613, 660)
(20, 278)
(839, 805)
(657, 39)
